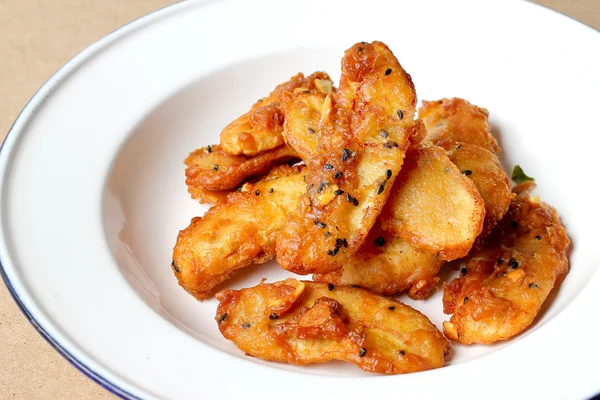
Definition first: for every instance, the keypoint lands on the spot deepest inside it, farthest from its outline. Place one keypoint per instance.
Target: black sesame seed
(466, 300)
(346, 153)
(273, 316)
(337, 175)
(257, 193)
(513, 263)
(215, 167)
(388, 71)
(360, 49)
(533, 285)
(271, 190)
(338, 192)
(362, 352)
(321, 187)
(514, 224)
(327, 233)
(345, 243)
(349, 198)
(355, 201)
(246, 325)
(391, 308)
(321, 224)
(390, 144)
(223, 318)
(400, 114)
(463, 271)
(458, 147)
(335, 251)
(327, 167)
(466, 172)
(402, 352)
(209, 149)
(239, 189)
(500, 261)
(329, 252)
(447, 169)
(384, 134)
(176, 268)
(388, 174)
(381, 188)
(538, 237)
(311, 130)
(380, 241)
(330, 287)
(339, 243)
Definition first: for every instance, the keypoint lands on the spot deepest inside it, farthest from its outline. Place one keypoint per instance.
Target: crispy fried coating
(301, 322)
(260, 128)
(214, 169)
(365, 129)
(504, 285)
(208, 196)
(236, 233)
(387, 264)
(435, 206)
(484, 169)
(453, 121)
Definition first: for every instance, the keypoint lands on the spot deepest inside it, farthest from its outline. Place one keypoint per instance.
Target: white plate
(93, 193)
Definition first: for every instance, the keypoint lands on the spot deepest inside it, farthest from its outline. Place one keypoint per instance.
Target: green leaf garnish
(518, 176)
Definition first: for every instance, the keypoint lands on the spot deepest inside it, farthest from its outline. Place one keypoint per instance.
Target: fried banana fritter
(365, 129)
(387, 264)
(453, 121)
(208, 196)
(434, 206)
(236, 233)
(306, 322)
(484, 169)
(214, 169)
(260, 129)
(504, 285)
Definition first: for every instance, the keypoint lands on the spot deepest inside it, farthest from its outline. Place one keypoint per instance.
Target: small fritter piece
(387, 264)
(306, 322)
(236, 233)
(214, 169)
(453, 121)
(484, 169)
(434, 206)
(365, 129)
(501, 290)
(260, 129)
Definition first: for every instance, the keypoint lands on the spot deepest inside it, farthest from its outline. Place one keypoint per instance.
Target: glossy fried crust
(507, 282)
(236, 233)
(483, 168)
(208, 196)
(260, 129)
(365, 129)
(453, 121)
(212, 168)
(434, 206)
(306, 322)
(387, 264)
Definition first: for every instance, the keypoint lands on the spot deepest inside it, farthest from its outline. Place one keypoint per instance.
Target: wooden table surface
(37, 38)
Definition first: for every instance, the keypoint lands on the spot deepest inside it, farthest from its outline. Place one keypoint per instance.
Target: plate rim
(18, 127)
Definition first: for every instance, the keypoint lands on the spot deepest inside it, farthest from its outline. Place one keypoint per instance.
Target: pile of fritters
(351, 185)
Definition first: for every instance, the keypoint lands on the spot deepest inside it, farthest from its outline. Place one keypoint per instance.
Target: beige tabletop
(37, 38)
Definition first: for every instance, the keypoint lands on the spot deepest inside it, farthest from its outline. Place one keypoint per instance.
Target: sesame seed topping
(337, 175)
(388, 174)
(514, 264)
(391, 308)
(402, 352)
(400, 114)
(380, 241)
(538, 237)
(327, 167)
(466, 300)
(346, 153)
(320, 224)
(390, 144)
(388, 71)
(246, 325)
(311, 130)
(271, 190)
(330, 287)
(257, 192)
(463, 271)
(209, 148)
(533, 285)
(215, 167)
(349, 198)
(381, 188)
(223, 318)
(273, 316)
(362, 352)
(384, 134)
(338, 192)
(466, 172)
